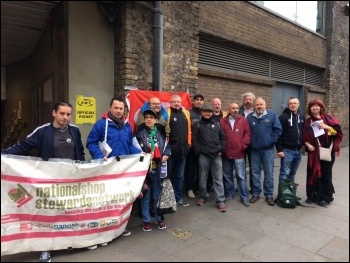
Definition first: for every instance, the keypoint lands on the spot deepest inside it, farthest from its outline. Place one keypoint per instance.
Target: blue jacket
(146, 106)
(120, 141)
(42, 139)
(265, 131)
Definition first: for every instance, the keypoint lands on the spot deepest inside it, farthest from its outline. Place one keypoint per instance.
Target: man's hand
(280, 154)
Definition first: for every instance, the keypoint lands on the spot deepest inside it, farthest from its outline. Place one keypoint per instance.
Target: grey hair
(248, 94)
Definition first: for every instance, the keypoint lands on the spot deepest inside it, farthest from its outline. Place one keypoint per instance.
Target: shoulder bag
(325, 153)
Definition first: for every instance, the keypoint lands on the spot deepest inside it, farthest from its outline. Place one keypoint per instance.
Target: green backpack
(286, 197)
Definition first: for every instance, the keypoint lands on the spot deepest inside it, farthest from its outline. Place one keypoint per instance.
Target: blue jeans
(215, 166)
(228, 165)
(264, 158)
(289, 164)
(153, 187)
(177, 167)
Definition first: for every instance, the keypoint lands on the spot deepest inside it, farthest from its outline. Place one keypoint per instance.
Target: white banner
(60, 204)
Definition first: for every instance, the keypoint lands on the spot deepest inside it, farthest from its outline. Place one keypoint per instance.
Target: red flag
(136, 98)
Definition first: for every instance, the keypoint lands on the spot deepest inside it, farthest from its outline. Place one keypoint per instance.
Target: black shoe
(323, 203)
(298, 198)
(309, 201)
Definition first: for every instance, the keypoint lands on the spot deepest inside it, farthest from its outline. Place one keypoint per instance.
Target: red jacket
(238, 138)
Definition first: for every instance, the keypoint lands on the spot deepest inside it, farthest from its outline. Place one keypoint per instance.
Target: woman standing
(319, 185)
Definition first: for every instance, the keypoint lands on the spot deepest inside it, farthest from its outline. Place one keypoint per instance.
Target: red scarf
(314, 164)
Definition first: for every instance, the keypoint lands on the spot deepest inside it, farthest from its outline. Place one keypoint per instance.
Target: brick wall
(239, 22)
(337, 77)
(230, 87)
(248, 24)
(134, 46)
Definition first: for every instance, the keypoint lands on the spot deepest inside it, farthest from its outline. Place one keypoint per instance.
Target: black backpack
(286, 197)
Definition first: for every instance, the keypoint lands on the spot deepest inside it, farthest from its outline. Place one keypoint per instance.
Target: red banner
(136, 98)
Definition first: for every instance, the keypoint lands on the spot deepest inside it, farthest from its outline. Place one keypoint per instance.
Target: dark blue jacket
(42, 139)
(265, 130)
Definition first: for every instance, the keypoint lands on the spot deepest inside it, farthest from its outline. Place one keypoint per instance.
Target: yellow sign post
(85, 109)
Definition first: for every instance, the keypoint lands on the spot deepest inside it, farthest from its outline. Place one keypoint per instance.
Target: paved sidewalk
(256, 233)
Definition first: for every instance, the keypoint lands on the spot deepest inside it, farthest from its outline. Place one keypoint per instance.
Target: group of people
(204, 148)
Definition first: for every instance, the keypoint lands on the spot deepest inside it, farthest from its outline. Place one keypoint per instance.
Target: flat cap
(207, 107)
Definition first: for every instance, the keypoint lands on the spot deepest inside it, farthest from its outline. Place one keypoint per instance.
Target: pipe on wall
(157, 46)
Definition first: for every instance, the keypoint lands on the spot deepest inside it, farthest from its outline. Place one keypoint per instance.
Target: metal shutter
(222, 56)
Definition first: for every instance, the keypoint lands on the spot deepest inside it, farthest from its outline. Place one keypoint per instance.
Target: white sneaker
(92, 247)
(191, 194)
(104, 244)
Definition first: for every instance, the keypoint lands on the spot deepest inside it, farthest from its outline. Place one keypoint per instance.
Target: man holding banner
(58, 139)
(115, 130)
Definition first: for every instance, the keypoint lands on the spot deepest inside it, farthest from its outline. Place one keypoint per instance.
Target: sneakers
(254, 198)
(126, 233)
(182, 203)
(200, 201)
(45, 257)
(222, 208)
(191, 194)
(270, 201)
(161, 225)
(147, 226)
(104, 244)
(92, 247)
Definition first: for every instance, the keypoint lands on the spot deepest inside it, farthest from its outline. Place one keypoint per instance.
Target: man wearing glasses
(162, 115)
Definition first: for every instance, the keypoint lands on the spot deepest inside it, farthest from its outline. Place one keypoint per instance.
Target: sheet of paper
(317, 132)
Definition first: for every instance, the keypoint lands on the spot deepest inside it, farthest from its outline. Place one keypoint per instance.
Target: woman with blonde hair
(319, 185)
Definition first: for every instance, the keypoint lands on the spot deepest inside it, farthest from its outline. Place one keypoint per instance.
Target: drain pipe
(157, 46)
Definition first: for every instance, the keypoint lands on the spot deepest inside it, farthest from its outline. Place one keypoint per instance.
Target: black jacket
(292, 131)
(208, 138)
(178, 133)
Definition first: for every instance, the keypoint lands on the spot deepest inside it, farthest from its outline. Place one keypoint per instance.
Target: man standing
(180, 142)
(118, 135)
(238, 135)
(291, 140)
(191, 169)
(209, 143)
(57, 139)
(266, 129)
(247, 107)
(217, 112)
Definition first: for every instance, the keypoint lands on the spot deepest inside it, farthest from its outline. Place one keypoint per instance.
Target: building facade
(218, 48)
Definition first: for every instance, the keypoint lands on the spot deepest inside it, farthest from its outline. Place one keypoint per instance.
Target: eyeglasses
(156, 104)
(149, 117)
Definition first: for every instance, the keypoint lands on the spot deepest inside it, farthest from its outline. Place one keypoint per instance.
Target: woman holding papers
(325, 128)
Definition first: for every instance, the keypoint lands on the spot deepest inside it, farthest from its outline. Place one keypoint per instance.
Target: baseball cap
(198, 96)
(150, 111)
(207, 107)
